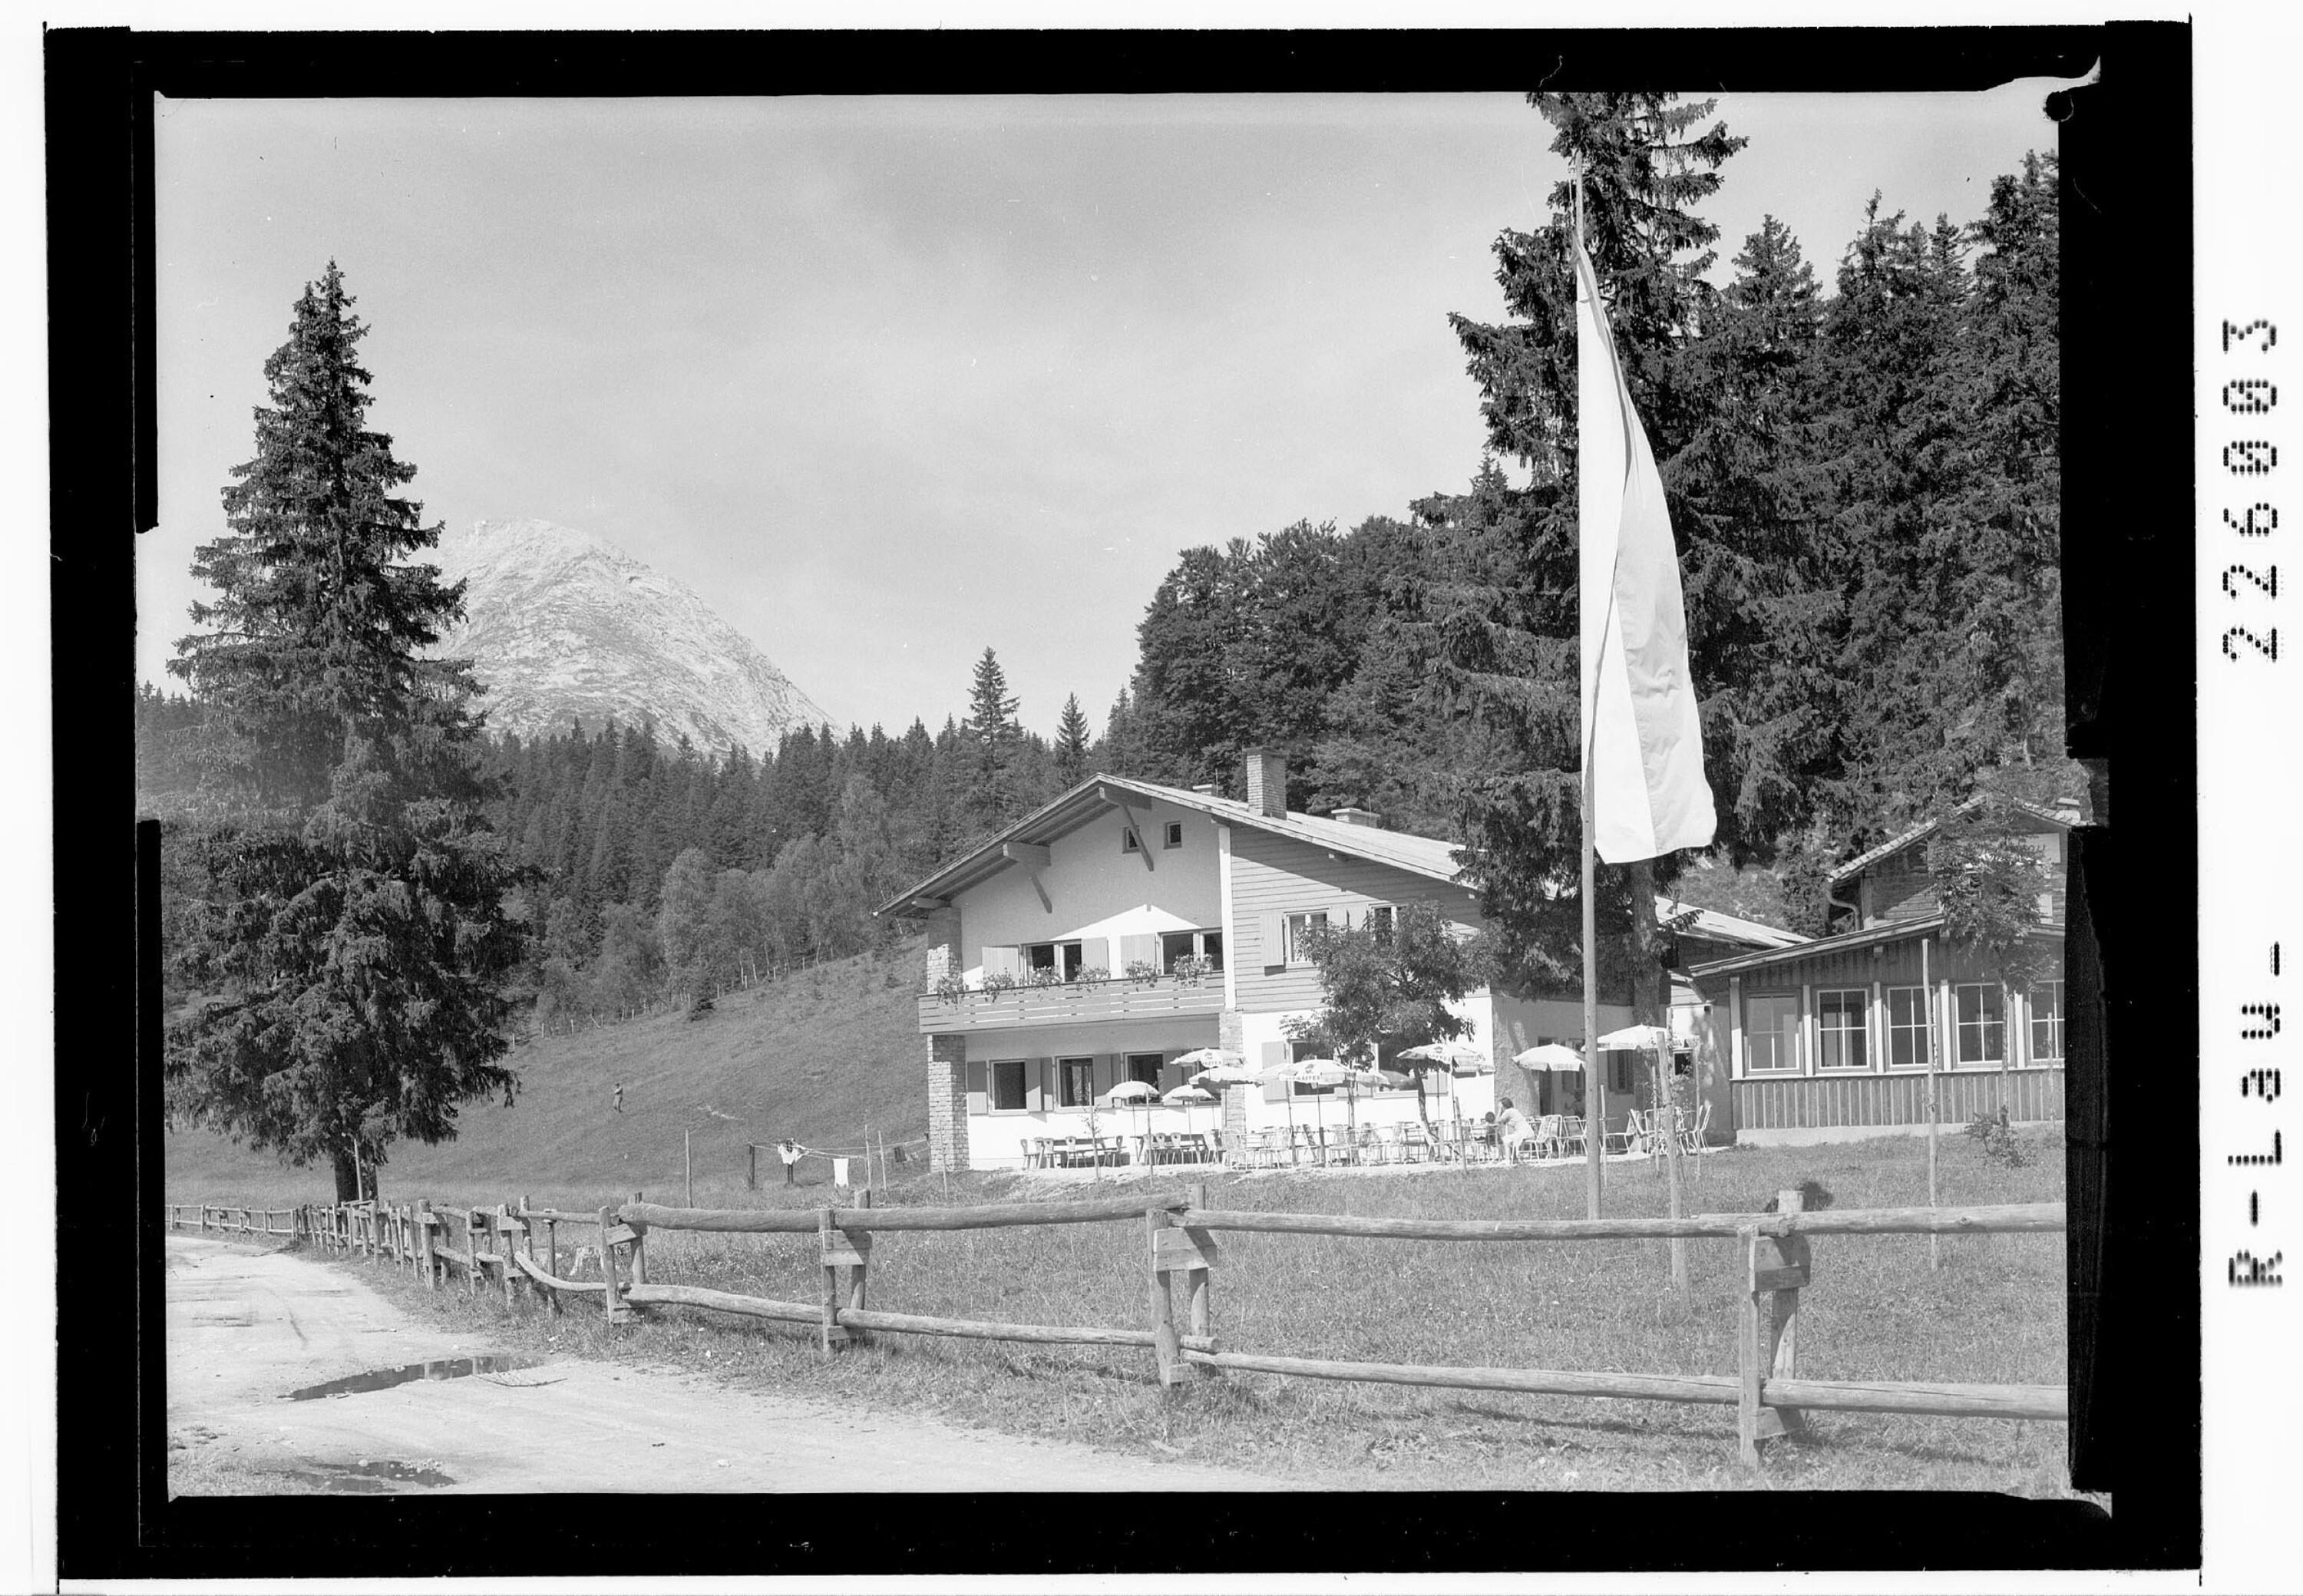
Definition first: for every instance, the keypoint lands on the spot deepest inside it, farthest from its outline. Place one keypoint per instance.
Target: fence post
(1747, 1351)
(424, 1260)
(505, 1237)
(860, 1244)
(1783, 1354)
(617, 1311)
(639, 1247)
(471, 1251)
(1166, 1352)
(550, 1262)
(834, 1247)
(1201, 1319)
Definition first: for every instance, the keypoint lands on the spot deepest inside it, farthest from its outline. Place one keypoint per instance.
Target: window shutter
(1271, 935)
(979, 1088)
(1136, 950)
(1037, 1093)
(1095, 952)
(1107, 1072)
(1003, 960)
(1275, 1053)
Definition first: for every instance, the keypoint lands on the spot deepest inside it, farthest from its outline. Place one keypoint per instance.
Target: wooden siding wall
(1797, 1104)
(1895, 964)
(1901, 890)
(1279, 875)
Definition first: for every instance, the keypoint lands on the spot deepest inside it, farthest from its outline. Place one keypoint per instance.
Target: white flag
(1641, 733)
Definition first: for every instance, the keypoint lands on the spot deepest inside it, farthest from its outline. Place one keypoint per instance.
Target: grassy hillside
(817, 1056)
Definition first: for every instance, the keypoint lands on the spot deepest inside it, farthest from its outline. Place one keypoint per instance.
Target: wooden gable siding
(1274, 875)
(1899, 888)
(1896, 964)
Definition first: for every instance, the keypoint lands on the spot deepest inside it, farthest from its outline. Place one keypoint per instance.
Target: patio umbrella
(1206, 1059)
(1138, 1092)
(1551, 1055)
(1455, 1053)
(1187, 1095)
(1321, 1072)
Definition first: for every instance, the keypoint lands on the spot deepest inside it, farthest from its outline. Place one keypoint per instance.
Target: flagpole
(1595, 1123)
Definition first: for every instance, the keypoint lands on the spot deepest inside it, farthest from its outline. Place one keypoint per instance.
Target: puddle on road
(380, 1380)
(368, 1477)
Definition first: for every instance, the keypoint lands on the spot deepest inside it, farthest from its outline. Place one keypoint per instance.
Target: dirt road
(246, 1327)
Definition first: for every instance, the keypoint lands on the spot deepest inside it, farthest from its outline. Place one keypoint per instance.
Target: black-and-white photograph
(1212, 793)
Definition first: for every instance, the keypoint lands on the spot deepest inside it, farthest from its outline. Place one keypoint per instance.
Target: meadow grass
(818, 1055)
(1993, 1313)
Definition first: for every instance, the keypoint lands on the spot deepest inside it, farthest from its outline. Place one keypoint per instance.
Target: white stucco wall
(1097, 892)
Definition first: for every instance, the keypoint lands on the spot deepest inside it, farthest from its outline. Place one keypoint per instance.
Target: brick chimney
(1366, 817)
(1267, 783)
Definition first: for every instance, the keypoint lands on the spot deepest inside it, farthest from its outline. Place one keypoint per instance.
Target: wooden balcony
(1029, 1007)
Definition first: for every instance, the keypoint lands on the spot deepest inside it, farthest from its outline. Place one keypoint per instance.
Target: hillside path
(246, 1326)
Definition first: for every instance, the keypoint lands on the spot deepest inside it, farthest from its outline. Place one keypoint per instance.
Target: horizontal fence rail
(499, 1249)
(1853, 1221)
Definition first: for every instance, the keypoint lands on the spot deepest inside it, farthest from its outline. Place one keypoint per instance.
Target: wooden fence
(499, 1252)
(243, 1221)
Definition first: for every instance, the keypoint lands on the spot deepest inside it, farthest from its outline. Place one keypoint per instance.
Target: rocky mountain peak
(562, 625)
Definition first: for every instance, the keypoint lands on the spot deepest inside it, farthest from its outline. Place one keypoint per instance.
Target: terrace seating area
(1558, 1137)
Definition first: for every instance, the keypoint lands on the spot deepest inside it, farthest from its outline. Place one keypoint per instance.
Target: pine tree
(348, 943)
(1500, 613)
(993, 739)
(1071, 742)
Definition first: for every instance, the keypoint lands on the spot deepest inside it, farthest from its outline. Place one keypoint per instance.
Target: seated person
(1516, 1131)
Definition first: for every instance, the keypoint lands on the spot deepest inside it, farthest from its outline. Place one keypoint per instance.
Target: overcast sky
(889, 381)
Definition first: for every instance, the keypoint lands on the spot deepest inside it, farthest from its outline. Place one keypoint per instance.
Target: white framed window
(1980, 1023)
(2047, 1022)
(1907, 1027)
(1843, 1040)
(1183, 945)
(1771, 1024)
(1064, 957)
(1007, 1083)
(1380, 918)
(1171, 835)
(1299, 931)
(1075, 1082)
(1128, 841)
(1146, 1068)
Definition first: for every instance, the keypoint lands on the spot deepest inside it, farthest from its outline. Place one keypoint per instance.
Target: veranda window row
(1840, 1029)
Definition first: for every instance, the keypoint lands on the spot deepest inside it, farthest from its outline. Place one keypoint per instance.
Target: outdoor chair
(1394, 1144)
(1634, 1138)
(1571, 1134)
(1690, 1136)
(1549, 1142)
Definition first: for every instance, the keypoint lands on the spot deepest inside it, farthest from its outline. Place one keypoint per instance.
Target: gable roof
(1891, 930)
(1864, 861)
(1431, 857)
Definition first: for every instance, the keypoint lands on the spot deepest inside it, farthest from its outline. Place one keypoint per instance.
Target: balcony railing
(1166, 998)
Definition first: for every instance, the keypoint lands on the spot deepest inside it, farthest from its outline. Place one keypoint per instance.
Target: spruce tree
(1071, 742)
(993, 739)
(346, 940)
